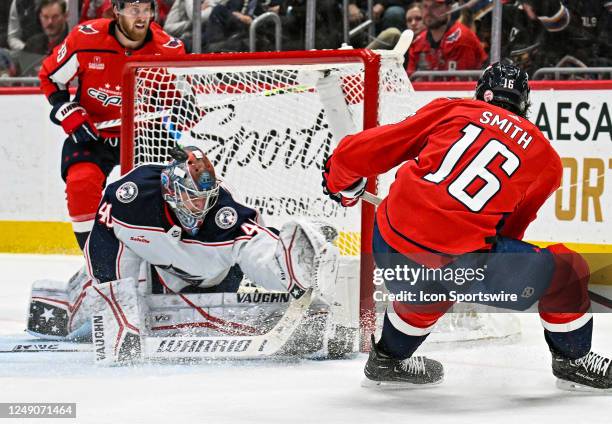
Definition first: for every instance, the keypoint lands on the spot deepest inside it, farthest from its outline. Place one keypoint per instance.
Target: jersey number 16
(477, 168)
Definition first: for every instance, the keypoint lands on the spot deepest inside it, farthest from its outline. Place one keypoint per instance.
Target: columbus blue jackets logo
(88, 29)
(174, 43)
(127, 192)
(226, 217)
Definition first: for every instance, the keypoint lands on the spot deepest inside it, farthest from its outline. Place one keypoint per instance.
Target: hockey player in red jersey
(475, 174)
(94, 52)
(446, 45)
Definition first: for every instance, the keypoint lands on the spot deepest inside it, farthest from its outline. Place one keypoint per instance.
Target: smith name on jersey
(134, 223)
(92, 53)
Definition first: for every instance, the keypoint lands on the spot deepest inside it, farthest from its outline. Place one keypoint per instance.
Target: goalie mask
(505, 85)
(190, 187)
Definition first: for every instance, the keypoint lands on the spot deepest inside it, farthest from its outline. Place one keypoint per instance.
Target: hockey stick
(371, 198)
(230, 346)
(149, 116)
(143, 117)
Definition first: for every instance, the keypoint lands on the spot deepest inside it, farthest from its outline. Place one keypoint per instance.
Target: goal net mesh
(266, 129)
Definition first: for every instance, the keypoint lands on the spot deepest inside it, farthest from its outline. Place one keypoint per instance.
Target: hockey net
(268, 122)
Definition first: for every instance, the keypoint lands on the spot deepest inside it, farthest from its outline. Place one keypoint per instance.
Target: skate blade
(395, 385)
(571, 386)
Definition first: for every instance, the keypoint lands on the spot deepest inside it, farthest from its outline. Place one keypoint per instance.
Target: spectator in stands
(228, 25)
(23, 22)
(446, 45)
(329, 34)
(95, 9)
(414, 18)
(519, 40)
(390, 13)
(179, 22)
(328, 23)
(577, 31)
(53, 16)
(7, 66)
(357, 14)
(5, 7)
(388, 38)
(356, 11)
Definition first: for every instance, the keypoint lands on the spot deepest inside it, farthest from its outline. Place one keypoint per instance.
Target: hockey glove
(347, 197)
(75, 121)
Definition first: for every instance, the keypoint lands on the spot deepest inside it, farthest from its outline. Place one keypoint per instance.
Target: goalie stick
(262, 345)
(181, 347)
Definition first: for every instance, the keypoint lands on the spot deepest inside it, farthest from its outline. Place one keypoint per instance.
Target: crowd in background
(450, 34)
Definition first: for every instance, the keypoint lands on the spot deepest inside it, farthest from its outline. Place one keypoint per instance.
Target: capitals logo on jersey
(174, 43)
(88, 29)
(454, 36)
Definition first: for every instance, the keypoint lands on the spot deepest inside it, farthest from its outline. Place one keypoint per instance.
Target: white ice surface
(486, 383)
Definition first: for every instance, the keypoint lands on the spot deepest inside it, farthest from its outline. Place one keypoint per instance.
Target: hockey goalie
(170, 248)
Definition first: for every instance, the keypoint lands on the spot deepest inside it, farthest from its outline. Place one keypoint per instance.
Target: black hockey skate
(385, 372)
(591, 373)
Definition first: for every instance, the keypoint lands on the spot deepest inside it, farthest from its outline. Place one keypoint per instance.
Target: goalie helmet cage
(267, 121)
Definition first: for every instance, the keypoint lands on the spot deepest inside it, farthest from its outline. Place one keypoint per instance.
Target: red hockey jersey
(92, 53)
(459, 48)
(473, 171)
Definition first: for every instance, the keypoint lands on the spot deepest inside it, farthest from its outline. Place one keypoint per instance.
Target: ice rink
(484, 383)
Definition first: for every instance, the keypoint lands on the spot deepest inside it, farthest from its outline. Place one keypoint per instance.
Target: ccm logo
(104, 98)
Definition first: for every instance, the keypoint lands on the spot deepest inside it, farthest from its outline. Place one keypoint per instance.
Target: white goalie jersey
(135, 225)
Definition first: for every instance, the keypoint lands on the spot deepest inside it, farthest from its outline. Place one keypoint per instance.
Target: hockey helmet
(506, 85)
(189, 186)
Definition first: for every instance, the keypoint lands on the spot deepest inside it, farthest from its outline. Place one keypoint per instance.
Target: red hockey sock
(84, 185)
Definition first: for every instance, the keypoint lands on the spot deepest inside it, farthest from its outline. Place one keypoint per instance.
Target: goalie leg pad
(307, 259)
(59, 310)
(117, 322)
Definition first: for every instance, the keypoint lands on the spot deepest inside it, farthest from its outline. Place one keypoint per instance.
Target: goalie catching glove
(75, 121)
(307, 260)
(347, 197)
